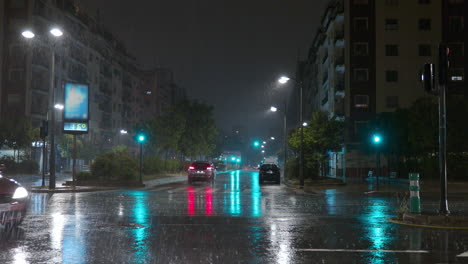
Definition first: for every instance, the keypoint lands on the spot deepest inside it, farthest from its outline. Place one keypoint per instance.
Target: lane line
(362, 250)
(463, 255)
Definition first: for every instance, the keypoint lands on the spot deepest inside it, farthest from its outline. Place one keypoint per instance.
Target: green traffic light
(377, 139)
(141, 138)
(256, 144)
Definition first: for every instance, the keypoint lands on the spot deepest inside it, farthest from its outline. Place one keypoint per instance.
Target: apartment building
(366, 59)
(120, 94)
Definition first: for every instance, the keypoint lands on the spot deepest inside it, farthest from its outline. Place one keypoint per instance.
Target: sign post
(75, 115)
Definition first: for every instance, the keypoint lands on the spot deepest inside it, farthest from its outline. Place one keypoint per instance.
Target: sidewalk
(33, 183)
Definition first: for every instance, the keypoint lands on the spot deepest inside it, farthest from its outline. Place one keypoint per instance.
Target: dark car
(13, 201)
(269, 172)
(201, 171)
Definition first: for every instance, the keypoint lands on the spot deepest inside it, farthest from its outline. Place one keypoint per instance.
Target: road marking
(361, 250)
(463, 255)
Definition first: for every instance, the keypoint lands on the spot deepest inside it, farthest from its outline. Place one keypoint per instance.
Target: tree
(322, 135)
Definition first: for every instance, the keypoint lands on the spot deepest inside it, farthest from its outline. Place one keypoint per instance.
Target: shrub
(153, 165)
(10, 164)
(118, 165)
(84, 176)
(28, 166)
(292, 167)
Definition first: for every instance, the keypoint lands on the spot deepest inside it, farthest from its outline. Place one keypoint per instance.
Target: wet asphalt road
(234, 221)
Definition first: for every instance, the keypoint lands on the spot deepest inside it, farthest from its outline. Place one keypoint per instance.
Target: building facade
(121, 95)
(367, 57)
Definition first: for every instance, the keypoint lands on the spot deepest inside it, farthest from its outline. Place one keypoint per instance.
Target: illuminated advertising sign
(76, 108)
(76, 102)
(75, 127)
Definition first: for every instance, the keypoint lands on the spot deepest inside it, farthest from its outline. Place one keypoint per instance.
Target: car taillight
(191, 168)
(209, 168)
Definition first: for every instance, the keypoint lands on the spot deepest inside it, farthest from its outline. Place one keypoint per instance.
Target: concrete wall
(408, 63)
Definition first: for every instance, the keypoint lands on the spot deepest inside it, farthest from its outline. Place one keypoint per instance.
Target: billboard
(76, 108)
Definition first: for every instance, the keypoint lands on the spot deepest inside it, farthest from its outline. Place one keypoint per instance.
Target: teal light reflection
(235, 205)
(140, 216)
(378, 231)
(256, 195)
(330, 197)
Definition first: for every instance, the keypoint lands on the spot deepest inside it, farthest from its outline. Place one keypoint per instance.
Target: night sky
(226, 53)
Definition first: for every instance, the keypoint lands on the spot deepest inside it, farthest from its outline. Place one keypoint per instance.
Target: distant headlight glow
(20, 193)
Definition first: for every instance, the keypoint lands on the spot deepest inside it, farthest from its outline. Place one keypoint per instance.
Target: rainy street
(233, 221)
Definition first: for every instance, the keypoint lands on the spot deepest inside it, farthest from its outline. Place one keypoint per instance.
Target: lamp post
(285, 133)
(141, 139)
(56, 33)
(122, 132)
(284, 80)
(377, 140)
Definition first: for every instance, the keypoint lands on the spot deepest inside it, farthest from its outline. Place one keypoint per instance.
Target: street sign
(76, 108)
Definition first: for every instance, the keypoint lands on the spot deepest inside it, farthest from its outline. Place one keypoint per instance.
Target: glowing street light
(123, 131)
(305, 124)
(28, 34)
(56, 32)
(283, 79)
(273, 109)
(58, 106)
(272, 138)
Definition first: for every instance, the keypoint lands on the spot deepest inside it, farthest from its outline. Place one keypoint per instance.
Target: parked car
(13, 202)
(269, 172)
(201, 171)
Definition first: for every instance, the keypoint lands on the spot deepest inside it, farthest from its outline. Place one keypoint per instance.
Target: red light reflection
(209, 201)
(190, 201)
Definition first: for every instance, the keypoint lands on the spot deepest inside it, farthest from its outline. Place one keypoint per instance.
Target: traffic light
(444, 53)
(141, 137)
(376, 139)
(256, 144)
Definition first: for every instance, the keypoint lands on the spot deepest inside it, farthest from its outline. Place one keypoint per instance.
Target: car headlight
(20, 193)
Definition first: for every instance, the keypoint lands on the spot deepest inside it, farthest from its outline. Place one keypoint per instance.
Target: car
(269, 172)
(13, 202)
(201, 171)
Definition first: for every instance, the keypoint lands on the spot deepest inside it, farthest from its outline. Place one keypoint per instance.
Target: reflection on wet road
(233, 221)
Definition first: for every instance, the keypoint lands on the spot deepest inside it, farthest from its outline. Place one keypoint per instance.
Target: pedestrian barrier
(415, 201)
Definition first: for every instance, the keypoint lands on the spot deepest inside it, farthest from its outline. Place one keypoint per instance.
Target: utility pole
(443, 76)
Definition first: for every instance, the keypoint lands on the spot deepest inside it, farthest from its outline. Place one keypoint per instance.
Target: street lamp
(272, 138)
(284, 80)
(285, 133)
(56, 33)
(141, 138)
(377, 140)
(305, 124)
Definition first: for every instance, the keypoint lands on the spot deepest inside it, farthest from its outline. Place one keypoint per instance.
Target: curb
(426, 226)
(148, 185)
(69, 190)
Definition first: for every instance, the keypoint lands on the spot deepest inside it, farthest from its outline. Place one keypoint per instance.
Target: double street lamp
(284, 80)
(55, 33)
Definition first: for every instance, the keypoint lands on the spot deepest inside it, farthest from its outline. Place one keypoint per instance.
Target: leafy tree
(322, 135)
